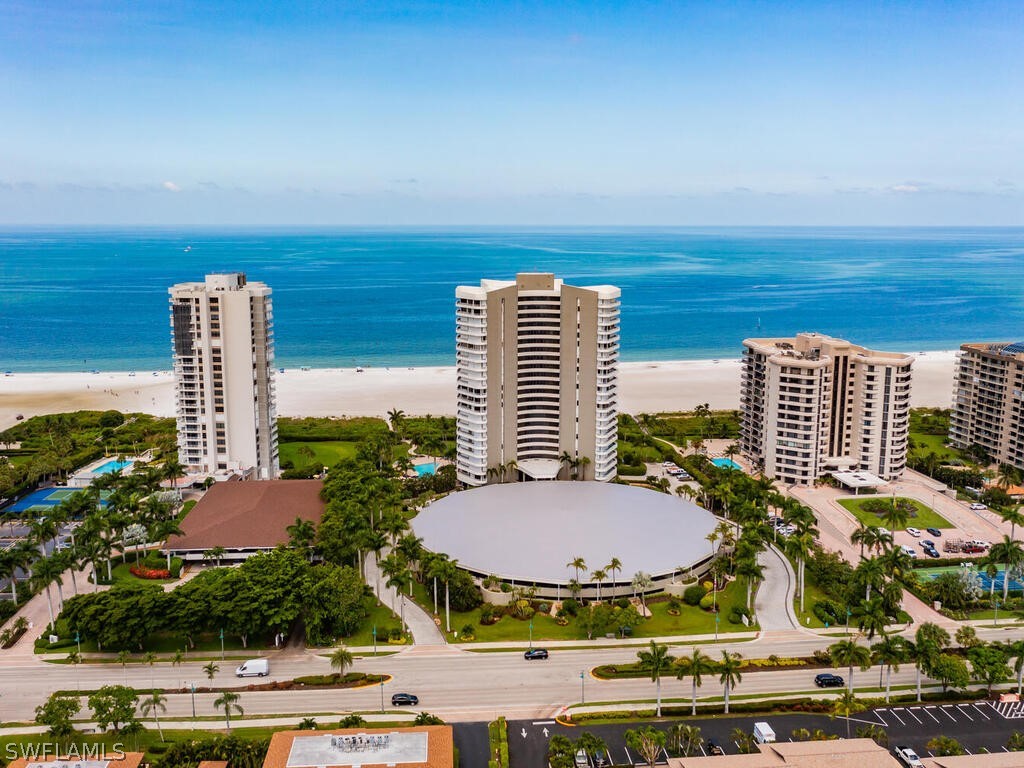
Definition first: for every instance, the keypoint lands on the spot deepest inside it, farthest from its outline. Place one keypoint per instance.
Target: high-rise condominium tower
(813, 404)
(537, 365)
(223, 335)
(988, 405)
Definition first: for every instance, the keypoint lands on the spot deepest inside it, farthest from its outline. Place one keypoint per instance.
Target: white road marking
(544, 722)
(880, 718)
(896, 715)
(978, 707)
(911, 713)
(933, 717)
(943, 711)
(961, 708)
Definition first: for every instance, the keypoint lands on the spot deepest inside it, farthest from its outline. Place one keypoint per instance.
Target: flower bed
(142, 572)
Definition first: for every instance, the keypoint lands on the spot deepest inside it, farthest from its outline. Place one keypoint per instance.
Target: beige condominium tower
(814, 404)
(988, 401)
(223, 336)
(537, 367)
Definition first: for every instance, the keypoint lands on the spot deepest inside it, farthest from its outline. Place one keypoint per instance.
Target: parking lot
(979, 727)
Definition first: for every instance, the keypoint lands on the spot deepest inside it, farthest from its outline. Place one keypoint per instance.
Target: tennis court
(983, 580)
(44, 499)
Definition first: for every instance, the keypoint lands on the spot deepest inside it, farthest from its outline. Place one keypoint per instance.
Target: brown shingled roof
(250, 515)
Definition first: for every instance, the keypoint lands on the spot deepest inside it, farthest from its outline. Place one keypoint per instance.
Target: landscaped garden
(874, 511)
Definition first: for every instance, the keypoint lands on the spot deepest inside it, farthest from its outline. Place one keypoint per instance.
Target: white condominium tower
(537, 367)
(988, 401)
(814, 404)
(223, 336)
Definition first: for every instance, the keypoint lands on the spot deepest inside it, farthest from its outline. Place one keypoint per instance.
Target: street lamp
(531, 634)
(222, 644)
(382, 695)
(192, 686)
(374, 639)
(583, 692)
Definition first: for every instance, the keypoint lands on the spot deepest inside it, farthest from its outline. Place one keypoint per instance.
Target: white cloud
(905, 188)
(170, 186)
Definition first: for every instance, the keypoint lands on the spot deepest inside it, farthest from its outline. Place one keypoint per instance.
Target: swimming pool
(425, 469)
(111, 466)
(724, 463)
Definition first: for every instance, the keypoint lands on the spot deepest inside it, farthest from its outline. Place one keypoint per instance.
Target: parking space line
(629, 758)
(911, 713)
(879, 716)
(978, 708)
(933, 717)
(894, 714)
(943, 711)
(961, 708)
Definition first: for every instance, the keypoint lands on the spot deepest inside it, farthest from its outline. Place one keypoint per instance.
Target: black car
(925, 543)
(535, 653)
(404, 698)
(931, 552)
(828, 680)
(712, 747)
(934, 531)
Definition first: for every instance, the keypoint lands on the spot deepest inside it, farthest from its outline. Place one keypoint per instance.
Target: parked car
(828, 680)
(931, 551)
(884, 532)
(925, 543)
(402, 699)
(764, 733)
(915, 532)
(535, 653)
(908, 757)
(935, 532)
(979, 543)
(581, 760)
(978, 506)
(972, 549)
(712, 747)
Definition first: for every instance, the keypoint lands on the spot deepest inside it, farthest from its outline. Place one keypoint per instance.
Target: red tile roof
(250, 515)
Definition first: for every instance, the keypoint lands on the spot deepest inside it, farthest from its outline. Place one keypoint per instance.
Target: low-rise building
(427, 746)
(836, 753)
(243, 518)
(92, 756)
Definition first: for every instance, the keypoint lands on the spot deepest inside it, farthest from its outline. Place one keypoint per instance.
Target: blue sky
(374, 113)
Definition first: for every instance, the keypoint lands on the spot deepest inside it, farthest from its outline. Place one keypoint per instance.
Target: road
(453, 683)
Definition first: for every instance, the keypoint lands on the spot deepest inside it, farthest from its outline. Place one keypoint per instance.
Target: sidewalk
(421, 625)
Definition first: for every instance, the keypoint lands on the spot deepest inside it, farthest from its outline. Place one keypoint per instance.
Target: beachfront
(644, 388)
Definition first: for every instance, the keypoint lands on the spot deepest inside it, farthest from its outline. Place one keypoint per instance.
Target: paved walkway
(421, 625)
(773, 605)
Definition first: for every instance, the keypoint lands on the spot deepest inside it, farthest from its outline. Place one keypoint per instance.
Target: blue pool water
(725, 463)
(425, 469)
(111, 466)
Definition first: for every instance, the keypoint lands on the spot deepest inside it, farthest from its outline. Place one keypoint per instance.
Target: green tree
(210, 670)
(849, 653)
(655, 660)
(988, 665)
(889, 652)
(729, 674)
(57, 715)
(647, 741)
(154, 704)
(846, 705)
(1010, 553)
(950, 671)
(228, 701)
(113, 706)
(341, 660)
(944, 746)
(694, 666)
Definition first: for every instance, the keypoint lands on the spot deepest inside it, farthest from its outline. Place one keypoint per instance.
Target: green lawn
(326, 453)
(380, 617)
(812, 595)
(926, 517)
(928, 443)
(691, 621)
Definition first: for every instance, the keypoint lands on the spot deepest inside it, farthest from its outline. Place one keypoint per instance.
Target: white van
(254, 668)
(763, 733)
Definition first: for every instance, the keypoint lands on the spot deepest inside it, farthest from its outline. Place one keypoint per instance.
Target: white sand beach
(675, 385)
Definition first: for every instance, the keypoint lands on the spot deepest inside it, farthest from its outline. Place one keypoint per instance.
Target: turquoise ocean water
(97, 299)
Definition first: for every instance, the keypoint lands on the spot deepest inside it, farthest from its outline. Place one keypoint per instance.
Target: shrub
(467, 632)
(693, 595)
(828, 612)
(571, 606)
(735, 617)
(543, 607)
(489, 614)
(707, 602)
(674, 607)
(352, 721)
(142, 572)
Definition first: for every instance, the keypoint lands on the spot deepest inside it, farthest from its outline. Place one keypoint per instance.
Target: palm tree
(1014, 516)
(871, 618)
(889, 651)
(729, 674)
(1015, 650)
(228, 701)
(599, 575)
(850, 653)
(577, 563)
(210, 670)
(655, 660)
(155, 703)
(1010, 553)
(46, 571)
(929, 640)
(396, 417)
(897, 516)
(581, 466)
(301, 534)
(341, 659)
(751, 571)
(614, 566)
(872, 571)
(172, 470)
(694, 666)
(641, 583)
(566, 459)
(846, 706)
